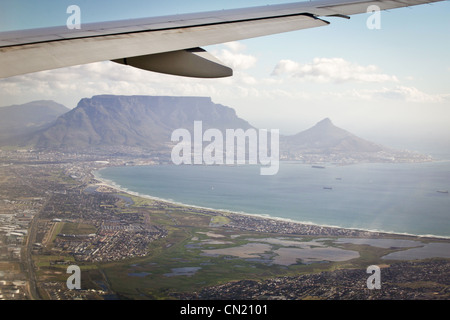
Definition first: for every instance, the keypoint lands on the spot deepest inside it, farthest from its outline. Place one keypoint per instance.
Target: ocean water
(399, 198)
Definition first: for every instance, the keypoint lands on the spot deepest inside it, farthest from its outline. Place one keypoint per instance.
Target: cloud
(108, 77)
(409, 94)
(234, 57)
(235, 46)
(397, 93)
(335, 70)
(286, 67)
(69, 85)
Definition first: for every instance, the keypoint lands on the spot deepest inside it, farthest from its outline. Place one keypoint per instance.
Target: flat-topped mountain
(135, 121)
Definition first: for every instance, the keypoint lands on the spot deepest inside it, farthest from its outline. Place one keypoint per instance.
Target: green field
(182, 261)
(156, 277)
(77, 228)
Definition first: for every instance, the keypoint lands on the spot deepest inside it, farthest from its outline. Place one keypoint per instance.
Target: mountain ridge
(135, 121)
(140, 121)
(16, 121)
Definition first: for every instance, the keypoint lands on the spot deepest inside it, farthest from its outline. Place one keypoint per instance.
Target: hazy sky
(390, 85)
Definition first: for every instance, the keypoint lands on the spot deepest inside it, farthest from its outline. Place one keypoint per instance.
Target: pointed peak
(325, 122)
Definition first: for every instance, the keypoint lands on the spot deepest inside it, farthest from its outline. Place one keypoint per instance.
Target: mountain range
(108, 121)
(18, 121)
(134, 121)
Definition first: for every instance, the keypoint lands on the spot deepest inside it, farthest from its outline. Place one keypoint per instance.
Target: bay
(398, 198)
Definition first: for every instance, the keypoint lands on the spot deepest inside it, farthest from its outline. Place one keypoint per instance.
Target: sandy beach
(416, 247)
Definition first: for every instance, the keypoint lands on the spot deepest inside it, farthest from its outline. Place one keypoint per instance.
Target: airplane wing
(169, 44)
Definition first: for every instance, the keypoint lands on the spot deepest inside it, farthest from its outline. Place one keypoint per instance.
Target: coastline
(264, 217)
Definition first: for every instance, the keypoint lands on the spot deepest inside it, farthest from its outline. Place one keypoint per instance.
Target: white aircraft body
(169, 44)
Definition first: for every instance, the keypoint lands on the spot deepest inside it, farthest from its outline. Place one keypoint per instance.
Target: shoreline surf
(113, 185)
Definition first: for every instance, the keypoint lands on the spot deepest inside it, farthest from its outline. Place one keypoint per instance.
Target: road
(28, 248)
(33, 292)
